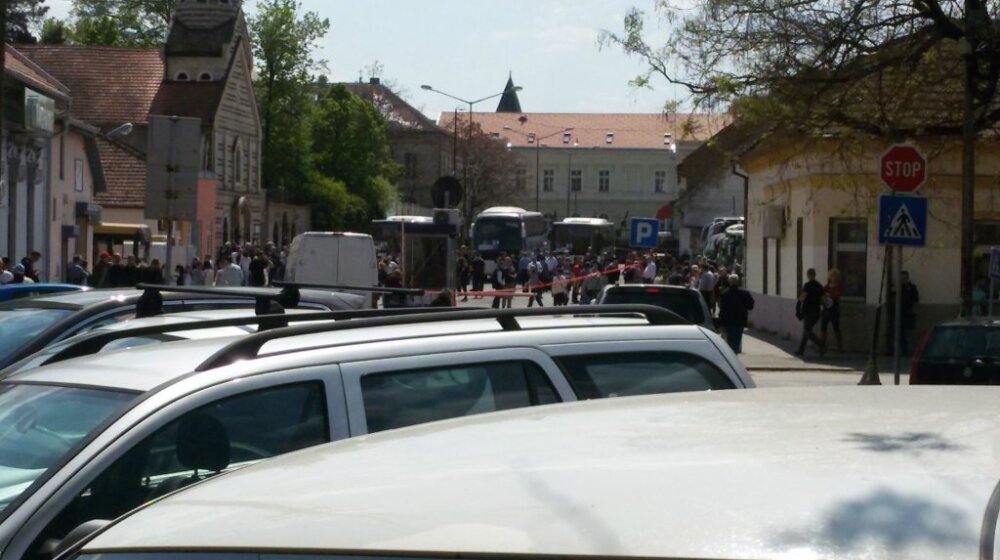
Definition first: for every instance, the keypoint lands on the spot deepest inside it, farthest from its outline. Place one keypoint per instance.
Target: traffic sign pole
(898, 334)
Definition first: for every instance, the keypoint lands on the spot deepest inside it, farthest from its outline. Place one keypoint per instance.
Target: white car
(840, 472)
(93, 437)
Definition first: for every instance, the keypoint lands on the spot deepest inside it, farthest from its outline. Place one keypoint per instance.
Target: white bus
(507, 229)
(577, 236)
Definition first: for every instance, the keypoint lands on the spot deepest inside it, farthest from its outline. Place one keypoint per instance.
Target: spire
(509, 102)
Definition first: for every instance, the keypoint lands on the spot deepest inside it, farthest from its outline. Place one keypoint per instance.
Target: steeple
(509, 102)
(206, 14)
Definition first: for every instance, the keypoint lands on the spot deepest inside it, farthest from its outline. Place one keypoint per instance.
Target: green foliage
(350, 143)
(121, 23)
(54, 32)
(22, 17)
(283, 43)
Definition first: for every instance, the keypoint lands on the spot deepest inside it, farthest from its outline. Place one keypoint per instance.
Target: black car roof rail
(265, 298)
(373, 289)
(93, 342)
(248, 348)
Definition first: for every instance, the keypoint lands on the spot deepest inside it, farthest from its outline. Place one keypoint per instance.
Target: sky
(467, 47)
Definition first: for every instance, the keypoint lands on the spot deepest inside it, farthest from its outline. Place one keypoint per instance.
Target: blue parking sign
(644, 232)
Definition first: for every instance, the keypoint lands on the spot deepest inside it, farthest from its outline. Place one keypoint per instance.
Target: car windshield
(18, 326)
(41, 425)
(963, 342)
(684, 303)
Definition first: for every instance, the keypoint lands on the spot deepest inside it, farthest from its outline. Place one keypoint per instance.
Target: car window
(404, 398)
(202, 443)
(40, 426)
(18, 326)
(963, 342)
(685, 303)
(595, 376)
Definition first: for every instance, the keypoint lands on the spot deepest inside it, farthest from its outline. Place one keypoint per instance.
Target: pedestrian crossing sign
(902, 220)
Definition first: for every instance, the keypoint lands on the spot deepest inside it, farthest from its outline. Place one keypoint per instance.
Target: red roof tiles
(626, 130)
(125, 173)
(109, 85)
(22, 68)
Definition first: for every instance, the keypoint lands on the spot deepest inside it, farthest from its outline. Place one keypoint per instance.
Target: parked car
(961, 352)
(10, 292)
(824, 472)
(684, 301)
(93, 437)
(27, 326)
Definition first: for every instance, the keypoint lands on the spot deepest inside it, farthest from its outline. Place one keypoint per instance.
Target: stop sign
(903, 168)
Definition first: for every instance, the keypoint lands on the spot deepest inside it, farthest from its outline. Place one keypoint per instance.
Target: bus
(507, 229)
(388, 233)
(577, 236)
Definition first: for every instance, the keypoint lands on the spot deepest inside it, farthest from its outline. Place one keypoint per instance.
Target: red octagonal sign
(903, 168)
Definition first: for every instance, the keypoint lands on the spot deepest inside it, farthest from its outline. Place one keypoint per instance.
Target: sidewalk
(766, 352)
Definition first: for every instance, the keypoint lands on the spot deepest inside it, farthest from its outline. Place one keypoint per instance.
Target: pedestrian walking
(535, 281)
(910, 299)
(77, 273)
(478, 274)
(649, 271)
(808, 308)
(706, 285)
(831, 309)
(734, 312)
(501, 279)
(100, 273)
(464, 275)
(229, 273)
(560, 296)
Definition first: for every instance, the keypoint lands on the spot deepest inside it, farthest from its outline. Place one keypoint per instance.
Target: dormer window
(667, 139)
(609, 138)
(531, 137)
(182, 77)
(566, 137)
(205, 77)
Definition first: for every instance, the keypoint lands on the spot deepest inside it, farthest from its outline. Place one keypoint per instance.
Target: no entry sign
(903, 168)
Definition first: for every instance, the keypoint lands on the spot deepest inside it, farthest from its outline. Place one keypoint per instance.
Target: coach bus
(388, 233)
(507, 229)
(578, 236)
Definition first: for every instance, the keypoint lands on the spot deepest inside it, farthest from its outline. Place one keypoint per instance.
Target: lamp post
(538, 146)
(465, 165)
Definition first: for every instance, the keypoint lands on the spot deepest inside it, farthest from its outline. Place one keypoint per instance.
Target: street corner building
(813, 202)
(204, 71)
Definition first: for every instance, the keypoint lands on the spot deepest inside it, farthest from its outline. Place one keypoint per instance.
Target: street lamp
(538, 146)
(465, 165)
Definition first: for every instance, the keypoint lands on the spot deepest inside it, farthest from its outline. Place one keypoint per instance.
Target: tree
(869, 66)
(54, 32)
(283, 44)
(351, 146)
(488, 169)
(121, 23)
(22, 17)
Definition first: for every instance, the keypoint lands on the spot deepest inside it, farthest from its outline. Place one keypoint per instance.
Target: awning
(129, 230)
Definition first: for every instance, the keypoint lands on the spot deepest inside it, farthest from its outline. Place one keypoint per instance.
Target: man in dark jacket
(810, 308)
(735, 305)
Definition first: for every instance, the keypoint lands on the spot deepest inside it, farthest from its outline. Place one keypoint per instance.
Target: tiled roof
(109, 85)
(188, 99)
(626, 130)
(715, 157)
(125, 173)
(400, 113)
(22, 68)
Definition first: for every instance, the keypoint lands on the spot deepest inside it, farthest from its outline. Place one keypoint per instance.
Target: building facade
(614, 166)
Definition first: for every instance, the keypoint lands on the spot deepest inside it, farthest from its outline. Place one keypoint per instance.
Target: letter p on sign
(644, 232)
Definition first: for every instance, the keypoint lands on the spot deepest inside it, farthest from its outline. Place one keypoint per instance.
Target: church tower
(509, 102)
(202, 37)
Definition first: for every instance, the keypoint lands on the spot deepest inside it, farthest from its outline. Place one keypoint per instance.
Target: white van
(326, 257)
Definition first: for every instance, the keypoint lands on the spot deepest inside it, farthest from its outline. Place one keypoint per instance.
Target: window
(78, 175)
(667, 139)
(205, 77)
(576, 180)
(596, 376)
(566, 137)
(521, 179)
(849, 254)
(182, 76)
(531, 137)
(204, 442)
(404, 398)
(609, 138)
(659, 181)
(604, 180)
(238, 161)
(548, 180)
(410, 165)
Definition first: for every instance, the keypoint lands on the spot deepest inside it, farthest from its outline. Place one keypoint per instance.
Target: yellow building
(813, 204)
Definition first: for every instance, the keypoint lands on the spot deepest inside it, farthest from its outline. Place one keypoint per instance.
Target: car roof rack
(373, 289)
(92, 342)
(248, 348)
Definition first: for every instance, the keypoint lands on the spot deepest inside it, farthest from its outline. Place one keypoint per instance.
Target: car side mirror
(78, 535)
